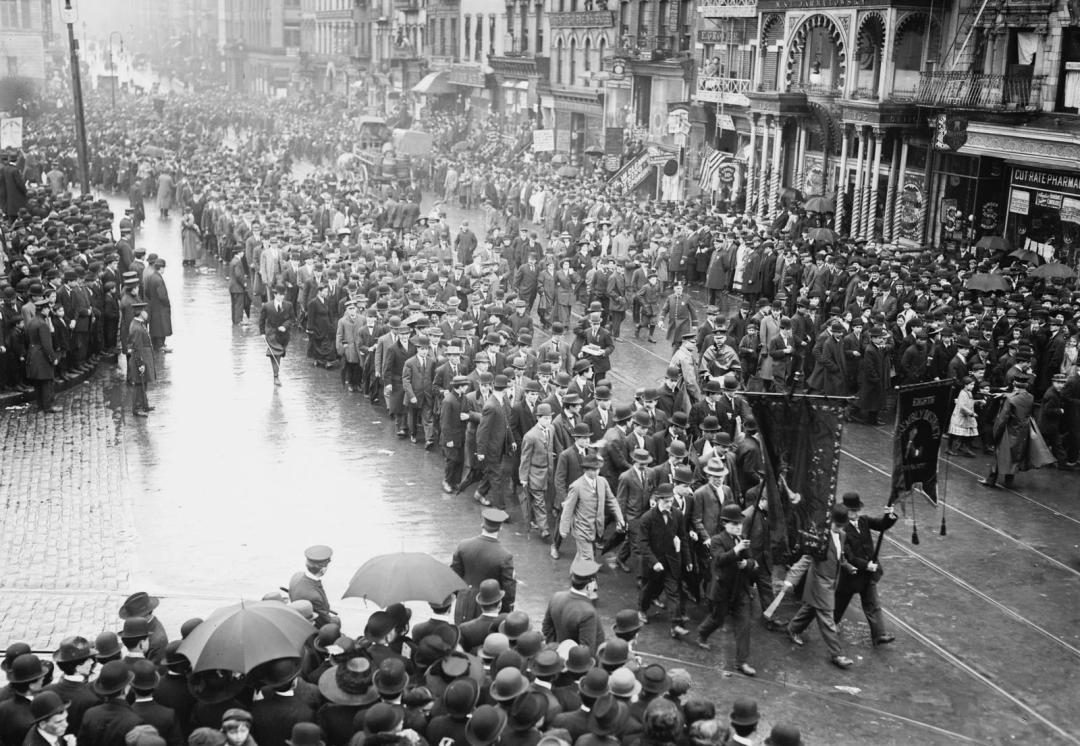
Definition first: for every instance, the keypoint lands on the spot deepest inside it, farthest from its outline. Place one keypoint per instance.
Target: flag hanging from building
(800, 446)
(922, 413)
(711, 161)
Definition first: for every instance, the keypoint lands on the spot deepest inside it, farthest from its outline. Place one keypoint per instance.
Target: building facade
(261, 46)
(23, 35)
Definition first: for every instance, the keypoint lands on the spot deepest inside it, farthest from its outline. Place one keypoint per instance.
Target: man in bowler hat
(481, 558)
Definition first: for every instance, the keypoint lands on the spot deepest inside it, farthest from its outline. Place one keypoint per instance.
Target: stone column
(763, 171)
(751, 168)
(777, 168)
(890, 194)
(856, 195)
(899, 193)
(842, 181)
(875, 168)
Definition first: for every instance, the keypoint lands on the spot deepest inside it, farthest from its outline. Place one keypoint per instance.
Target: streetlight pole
(76, 86)
(112, 62)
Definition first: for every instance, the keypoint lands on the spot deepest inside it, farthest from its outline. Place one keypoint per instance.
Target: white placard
(1019, 201)
(11, 130)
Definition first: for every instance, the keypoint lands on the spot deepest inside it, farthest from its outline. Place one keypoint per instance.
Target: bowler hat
(140, 603)
(547, 663)
(135, 628)
(114, 677)
(641, 456)
(784, 735)
(278, 672)
(744, 711)
(590, 461)
(514, 625)
(641, 417)
(495, 644)
(579, 659)
(508, 685)
(106, 646)
(581, 430)
(623, 683)
(145, 673)
(486, 725)
(594, 683)
(852, 501)
(654, 679)
(490, 592)
(391, 678)
(14, 650)
(305, 734)
(28, 667)
(683, 474)
(626, 621)
(677, 449)
(614, 653)
(839, 514)
(623, 412)
(460, 697)
(730, 513)
(46, 704)
(543, 410)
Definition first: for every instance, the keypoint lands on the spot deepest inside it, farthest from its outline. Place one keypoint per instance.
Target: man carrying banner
(863, 554)
(822, 567)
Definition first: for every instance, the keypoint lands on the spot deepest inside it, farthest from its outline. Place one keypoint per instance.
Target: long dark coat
(873, 379)
(40, 355)
(157, 296)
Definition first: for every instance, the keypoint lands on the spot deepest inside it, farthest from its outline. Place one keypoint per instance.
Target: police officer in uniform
(308, 585)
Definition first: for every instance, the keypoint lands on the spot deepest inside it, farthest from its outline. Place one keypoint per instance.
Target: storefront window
(1044, 213)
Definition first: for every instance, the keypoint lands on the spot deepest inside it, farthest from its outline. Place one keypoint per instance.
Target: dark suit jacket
(633, 493)
(107, 724)
(493, 435)
(859, 548)
(274, 717)
(80, 698)
(476, 560)
(15, 720)
(303, 587)
(475, 631)
(172, 692)
(572, 616)
(822, 576)
(730, 584)
(162, 718)
(656, 541)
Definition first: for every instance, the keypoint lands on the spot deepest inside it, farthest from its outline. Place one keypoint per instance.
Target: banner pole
(944, 494)
(914, 523)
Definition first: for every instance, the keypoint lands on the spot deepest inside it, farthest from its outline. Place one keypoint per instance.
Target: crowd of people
(494, 343)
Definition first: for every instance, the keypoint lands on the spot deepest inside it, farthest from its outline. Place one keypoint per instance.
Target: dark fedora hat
(139, 603)
(114, 677)
(46, 704)
(528, 710)
(73, 650)
(28, 667)
(349, 683)
(608, 716)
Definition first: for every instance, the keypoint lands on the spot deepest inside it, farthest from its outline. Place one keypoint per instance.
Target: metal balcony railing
(977, 91)
(720, 8)
(716, 88)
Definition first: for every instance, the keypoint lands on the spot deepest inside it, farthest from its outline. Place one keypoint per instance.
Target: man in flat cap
(307, 585)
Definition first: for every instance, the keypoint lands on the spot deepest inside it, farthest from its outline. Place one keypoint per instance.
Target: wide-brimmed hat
(139, 603)
(349, 683)
(716, 467)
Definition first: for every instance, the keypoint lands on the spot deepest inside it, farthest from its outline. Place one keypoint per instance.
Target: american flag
(711, 161)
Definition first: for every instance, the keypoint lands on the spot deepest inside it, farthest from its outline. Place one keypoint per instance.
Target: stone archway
(824, 33)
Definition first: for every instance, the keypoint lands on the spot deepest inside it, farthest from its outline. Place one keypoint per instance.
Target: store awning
(433, 84)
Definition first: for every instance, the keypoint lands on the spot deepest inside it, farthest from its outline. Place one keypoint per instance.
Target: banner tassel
(914, 524)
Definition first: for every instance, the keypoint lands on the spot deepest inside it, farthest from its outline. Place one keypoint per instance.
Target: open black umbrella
(404, 576)
(819, 204)
(240, 637)
(1053, 269)
(994, 243)
(1026, 256)
(825, 235)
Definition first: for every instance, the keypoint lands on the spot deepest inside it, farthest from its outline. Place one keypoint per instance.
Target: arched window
(587, 62)
(572, 76)
(559, 61)
(478, 50)
(468, 36)
(601, 47)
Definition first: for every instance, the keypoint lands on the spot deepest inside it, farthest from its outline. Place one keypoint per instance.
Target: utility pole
(76, 87)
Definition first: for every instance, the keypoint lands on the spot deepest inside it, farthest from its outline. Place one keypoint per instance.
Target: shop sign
(1049, 180)
(1020, 202)
(951, 132)
(466, 76)
(1048, 199)
(613, 141)
(727, 172)
(611, 163)
(583, 19)
(814, 178)
(910, 209)
(632, 174)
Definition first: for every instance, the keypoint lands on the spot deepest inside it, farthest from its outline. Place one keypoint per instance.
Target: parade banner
(922, 415)
(800, 446)
(11, 132)
(543, 141)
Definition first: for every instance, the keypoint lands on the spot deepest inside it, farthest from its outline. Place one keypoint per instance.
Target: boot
(1009, 479)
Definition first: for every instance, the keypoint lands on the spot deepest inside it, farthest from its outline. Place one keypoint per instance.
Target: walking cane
(275, 358)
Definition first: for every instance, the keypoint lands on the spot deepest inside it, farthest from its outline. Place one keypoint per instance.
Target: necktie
(278, 305)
